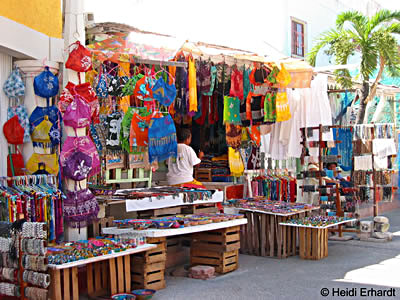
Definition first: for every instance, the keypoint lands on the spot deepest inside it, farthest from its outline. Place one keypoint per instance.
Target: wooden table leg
(302, 237)
(279, 235)
(89, 277)
(120, 267)
(97, 276)
(113, 276)
(66, 279)
(75, 287)
(272, 236)
(55, 287)
(263, 235)
(127, 271)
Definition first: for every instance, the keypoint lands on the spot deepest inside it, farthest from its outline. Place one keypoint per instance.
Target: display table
(263, 236)
(153, 202)
(313, 239)
(215, 244)
(106, 271)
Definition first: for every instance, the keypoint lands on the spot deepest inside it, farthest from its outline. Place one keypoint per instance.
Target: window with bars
(298, 38)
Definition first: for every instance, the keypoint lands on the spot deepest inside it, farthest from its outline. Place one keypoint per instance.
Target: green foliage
(373, 38)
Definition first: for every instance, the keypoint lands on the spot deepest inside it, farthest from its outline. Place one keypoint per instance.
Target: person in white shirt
(180, 169)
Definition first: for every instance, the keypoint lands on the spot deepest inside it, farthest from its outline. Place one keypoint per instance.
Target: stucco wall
(41, 15)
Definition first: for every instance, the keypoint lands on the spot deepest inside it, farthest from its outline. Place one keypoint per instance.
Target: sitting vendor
(336, 173)
(180, 169)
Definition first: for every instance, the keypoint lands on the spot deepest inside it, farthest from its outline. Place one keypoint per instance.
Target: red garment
(208, 108)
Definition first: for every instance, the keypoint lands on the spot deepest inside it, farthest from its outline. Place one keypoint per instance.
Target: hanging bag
(15, 163)
(80, 59)
(14, 86)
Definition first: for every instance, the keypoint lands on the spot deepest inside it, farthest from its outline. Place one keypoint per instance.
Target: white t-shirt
(180, 170)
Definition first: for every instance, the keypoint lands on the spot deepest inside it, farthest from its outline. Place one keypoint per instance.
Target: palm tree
(373, 38)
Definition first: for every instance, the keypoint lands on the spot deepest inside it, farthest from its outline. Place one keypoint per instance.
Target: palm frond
(382, 16)
(326, 38)
(358, 21)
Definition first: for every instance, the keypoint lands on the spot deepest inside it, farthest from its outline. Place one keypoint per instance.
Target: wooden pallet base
(67, 288)
(263, 236)
(221, 240)
(223, 262)
(313, 243)
(120, 274)
(97, 279)
(148, 268)
(144, 275)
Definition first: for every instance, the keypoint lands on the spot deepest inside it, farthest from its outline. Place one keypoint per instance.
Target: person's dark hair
(183, 134)
(331, 163)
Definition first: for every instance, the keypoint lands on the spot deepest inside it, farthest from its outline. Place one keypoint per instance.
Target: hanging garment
(203, 76)
(254, 160)
(246, 83)
(21, 112)
(163, 92)
(79, 59)
(13, 131)
(270, 107)
(282, 107)
(283, 77)
(181, 102)
(162, 139)
(235, 162)
(231, 110)
(255, 135)
(84, 90)
(113, 125)
(46, 84)
(82, 144)
(77, 114)
(15, 164)
(43, 135)
(80, 208)
(43, 164)
(213, 81)
(236, 84)
(126, 128)
(233, 135)
(14, 86)
(192, 86)
(363, 163)
(139, 132)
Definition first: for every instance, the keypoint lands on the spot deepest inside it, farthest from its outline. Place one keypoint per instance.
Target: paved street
(351, 264)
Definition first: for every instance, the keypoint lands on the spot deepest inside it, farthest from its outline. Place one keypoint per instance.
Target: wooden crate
(223, 262)
(161, 212)
(95, 228)
(157, 254)
(203, 174)
(149, 276)
(200, 208)
(313, 243)
(221, 240)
